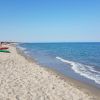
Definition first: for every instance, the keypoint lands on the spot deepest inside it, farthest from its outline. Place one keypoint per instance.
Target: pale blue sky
(50, 20)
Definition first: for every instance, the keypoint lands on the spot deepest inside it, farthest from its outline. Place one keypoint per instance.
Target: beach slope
(21, 79)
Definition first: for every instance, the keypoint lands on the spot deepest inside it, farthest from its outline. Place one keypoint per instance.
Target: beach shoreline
(88, 88)
(66, 87)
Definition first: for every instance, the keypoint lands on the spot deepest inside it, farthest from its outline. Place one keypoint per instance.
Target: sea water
(80, 61)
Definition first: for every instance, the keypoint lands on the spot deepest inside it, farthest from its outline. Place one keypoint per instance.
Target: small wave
(83, 70)
(21, 48)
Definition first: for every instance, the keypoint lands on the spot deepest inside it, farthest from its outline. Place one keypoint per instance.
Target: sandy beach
(21, 79)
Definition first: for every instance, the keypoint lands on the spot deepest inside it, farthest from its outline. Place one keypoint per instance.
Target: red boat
(3, 48)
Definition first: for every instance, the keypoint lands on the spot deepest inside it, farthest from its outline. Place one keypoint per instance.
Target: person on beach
(0, 44)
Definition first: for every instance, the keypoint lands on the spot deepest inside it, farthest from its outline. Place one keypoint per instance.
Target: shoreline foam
(83, 70)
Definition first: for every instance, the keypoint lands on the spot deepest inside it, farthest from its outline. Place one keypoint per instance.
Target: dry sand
(24, 80)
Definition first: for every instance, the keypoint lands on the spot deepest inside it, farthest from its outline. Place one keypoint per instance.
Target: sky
(50, 20)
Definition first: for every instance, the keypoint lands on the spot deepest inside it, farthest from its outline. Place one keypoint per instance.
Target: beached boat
(3, 48)
(6, 51)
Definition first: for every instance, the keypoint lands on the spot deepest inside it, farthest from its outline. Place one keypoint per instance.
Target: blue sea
(80, 61)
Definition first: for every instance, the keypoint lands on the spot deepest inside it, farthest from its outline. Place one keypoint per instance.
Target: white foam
(83, 70)
(22, 48)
